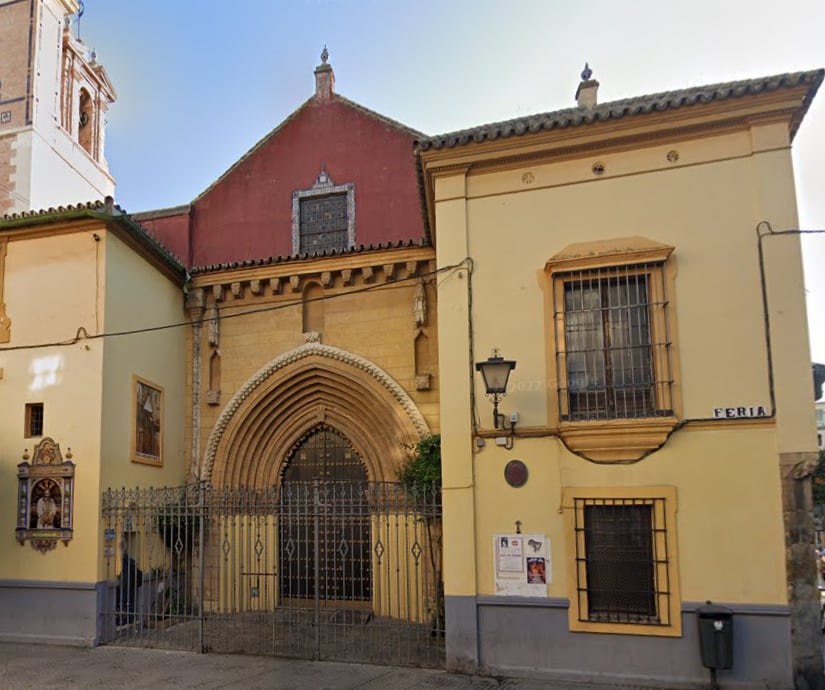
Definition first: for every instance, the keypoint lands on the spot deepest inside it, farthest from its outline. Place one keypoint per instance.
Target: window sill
(617, 440)
(625, 628)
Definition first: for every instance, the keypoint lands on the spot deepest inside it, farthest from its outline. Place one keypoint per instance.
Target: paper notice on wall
(522, 564)
(510, 556)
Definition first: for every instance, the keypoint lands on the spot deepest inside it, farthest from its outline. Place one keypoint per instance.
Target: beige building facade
(69, 396)
(619, 253)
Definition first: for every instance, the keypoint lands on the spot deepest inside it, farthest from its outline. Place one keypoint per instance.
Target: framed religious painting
(147, 422)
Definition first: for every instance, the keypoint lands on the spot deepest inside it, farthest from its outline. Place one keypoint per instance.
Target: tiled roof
(99, 205)
(162, 213)
(669, 100)
(378, 116)
(360, 249)
(102, 209)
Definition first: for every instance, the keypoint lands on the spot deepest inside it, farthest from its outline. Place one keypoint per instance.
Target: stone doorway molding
(298, 390)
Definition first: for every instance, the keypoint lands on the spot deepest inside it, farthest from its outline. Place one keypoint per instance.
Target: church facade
(310, 253)
(326, 305)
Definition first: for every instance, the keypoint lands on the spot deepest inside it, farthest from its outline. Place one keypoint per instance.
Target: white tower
(53, 100)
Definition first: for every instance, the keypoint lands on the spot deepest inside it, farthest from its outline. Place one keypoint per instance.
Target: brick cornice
(330, 272)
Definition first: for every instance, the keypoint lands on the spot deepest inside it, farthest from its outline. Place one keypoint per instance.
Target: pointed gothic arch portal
(325, 523)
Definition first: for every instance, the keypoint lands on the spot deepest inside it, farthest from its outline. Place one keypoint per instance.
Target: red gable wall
(247, 214)
(171, 231)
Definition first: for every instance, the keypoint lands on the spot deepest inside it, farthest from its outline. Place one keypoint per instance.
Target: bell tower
(53, 100)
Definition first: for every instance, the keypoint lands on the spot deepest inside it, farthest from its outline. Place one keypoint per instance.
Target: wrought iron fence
(321, 570)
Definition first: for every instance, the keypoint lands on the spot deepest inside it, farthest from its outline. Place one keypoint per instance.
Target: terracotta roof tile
(360, 249)
(101, 209)
(668, 100)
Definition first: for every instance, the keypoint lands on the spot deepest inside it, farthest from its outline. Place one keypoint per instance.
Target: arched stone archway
(295, 392)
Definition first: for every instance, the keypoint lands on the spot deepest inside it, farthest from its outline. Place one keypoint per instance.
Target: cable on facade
(81, 334)
(14, 194)
(763, 229)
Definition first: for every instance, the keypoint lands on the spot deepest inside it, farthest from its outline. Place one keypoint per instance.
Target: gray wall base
(44, 612)
(461, 634)
(529, 637)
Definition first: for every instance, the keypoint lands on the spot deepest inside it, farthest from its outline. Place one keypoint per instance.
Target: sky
(199, 83)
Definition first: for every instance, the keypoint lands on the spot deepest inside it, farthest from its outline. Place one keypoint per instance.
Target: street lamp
(496, 372)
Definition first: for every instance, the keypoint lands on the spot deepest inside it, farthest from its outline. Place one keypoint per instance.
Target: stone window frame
(665, 562)
(323, 186)
(624, 438)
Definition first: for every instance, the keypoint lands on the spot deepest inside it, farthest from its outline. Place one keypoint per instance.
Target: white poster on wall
(522, 564)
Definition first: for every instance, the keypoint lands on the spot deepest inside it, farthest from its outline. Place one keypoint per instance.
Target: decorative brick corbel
(195, 303)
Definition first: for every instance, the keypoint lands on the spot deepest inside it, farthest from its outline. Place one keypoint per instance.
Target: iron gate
(336, 570)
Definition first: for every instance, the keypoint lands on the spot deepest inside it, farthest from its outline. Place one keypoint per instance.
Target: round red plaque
(515, 472)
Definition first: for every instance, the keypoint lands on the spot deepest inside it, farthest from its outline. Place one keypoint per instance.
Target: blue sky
(200, 82)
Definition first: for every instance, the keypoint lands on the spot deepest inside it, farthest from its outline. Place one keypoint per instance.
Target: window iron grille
(324, 224)
(613, 344)
(622, 562)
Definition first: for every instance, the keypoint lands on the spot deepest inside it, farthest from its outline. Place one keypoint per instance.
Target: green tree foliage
(421, 477)
(423, 466)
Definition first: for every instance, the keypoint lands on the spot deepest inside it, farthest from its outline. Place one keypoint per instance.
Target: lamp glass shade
(496, 372)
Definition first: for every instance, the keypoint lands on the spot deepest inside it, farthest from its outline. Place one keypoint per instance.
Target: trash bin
(715, 636)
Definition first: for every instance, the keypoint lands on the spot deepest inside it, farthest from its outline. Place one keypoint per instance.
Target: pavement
(43, 667)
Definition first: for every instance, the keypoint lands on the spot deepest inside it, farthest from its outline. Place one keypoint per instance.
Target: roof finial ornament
(587, 89)
(324, 78)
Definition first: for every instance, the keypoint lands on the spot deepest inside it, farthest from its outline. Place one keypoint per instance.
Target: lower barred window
(622, 562)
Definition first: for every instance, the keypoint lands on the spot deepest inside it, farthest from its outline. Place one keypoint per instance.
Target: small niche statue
(45, 492)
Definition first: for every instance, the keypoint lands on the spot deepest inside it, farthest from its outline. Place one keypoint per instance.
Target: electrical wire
(83, 334)
(768, 232)
(14, 194)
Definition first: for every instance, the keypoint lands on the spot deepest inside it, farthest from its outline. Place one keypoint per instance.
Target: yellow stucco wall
(138, 296)
(510, 219)
(727, 528)
(57, 280)
(51, 291)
